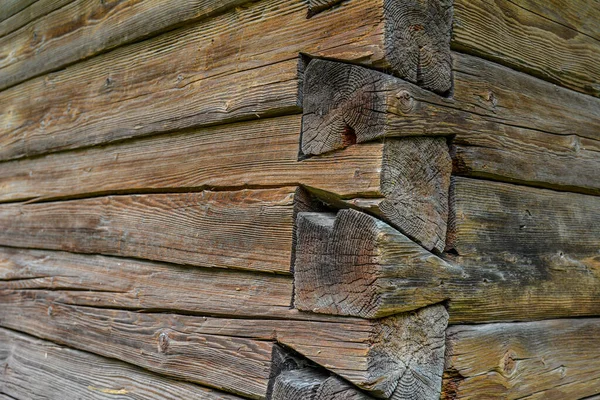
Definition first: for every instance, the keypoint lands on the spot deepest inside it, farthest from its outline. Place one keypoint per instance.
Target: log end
(417, 42)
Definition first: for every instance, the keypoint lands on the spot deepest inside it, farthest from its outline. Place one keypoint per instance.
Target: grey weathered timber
(399, 354)
(558, 41)
(80, 29)
(312, 384)
(498, 222)
(354, 264)
(36, 369)
(506, 124)
(11, 7)
(75, 106)
(245, 229)
(550, 360)
(94, 280)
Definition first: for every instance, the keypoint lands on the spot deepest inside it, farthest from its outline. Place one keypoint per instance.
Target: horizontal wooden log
(312, 384)
(498, 222)
(76, 106)
(137, 285)
(534, 360)
(522, 36)
(507, 125)
(246, 229)
(83, 28)
(11, 7)
(354, 264)
(403, 352)
(410, 177)
(28, 14)
(36, 369)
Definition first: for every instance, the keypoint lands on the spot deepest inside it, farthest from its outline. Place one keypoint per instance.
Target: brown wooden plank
(36, 369)
(518, 36)
(236, 354)
(250, 154)
(30, 13)
(409, 177)
(354, 264)
(83, 28)
(246, 229)
(138, 285)
(76, 106)
(11, 7)
(533, 360)
(507, 125)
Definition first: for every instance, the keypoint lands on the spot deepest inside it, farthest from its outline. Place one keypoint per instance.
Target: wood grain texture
(76, 106)
(30, 13)
(354, 264)
(499, 222)
(514, 34)
(36, 369)
(137, 285)
(11, 7)
(533, 360)
(312, 384)
(380, 357)
(507, 125)
(251, 154)
(315, 6)
(83, 28)
(247, 229)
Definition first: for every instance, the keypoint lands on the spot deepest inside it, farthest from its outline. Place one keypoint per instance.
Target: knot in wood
(163, 342)
(406, 101)
(508, 363)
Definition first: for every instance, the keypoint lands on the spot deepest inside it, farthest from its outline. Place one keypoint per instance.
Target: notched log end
(416, 183)
(407, 357)
(417, 42)
(343, 104)
(356, 265)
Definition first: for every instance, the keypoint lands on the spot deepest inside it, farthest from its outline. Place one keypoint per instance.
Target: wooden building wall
(299, 199)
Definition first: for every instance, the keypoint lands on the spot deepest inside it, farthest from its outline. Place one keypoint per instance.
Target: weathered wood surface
(137, 285)
(312, 384)
(499, 222)
(409, 177)
(83, 28)
(11, 7)
(354, 264)
(28, 14)
(246, 229)
(76, 106)
(517, 34)
(495, 113)
(550, 360)
(36, 369)
(250, 154)
(396, 354)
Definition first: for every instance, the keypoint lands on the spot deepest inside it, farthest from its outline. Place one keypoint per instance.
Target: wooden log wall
(299, 199)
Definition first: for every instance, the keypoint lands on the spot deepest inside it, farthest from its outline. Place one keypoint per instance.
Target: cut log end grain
(418, 41)
(354, 264)
(312, 384)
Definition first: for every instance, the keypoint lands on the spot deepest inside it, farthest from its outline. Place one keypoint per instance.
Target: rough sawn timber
(400, 354)
(93, 280)
(28, 14)
(246, 229)
(549, 360)
(75, 107)
(38, 370)
(83, 28)
(524, 35)
(506, 124)
(354, 264)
